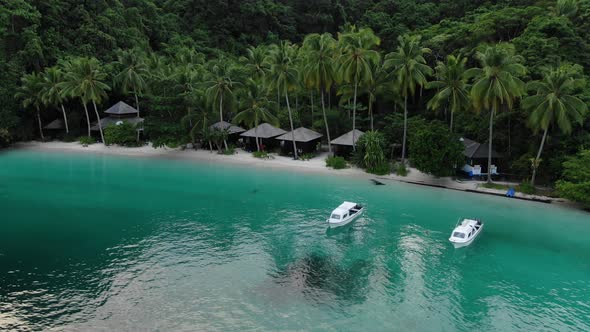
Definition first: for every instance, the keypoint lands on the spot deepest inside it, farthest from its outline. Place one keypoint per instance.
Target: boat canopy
(344, 207)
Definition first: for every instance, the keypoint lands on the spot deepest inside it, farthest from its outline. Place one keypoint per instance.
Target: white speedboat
(345, 213)
(465, 232)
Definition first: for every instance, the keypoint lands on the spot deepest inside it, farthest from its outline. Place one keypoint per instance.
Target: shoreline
(316, 166)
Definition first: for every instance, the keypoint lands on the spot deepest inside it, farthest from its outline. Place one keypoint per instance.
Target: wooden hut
(56, 128)
(265, 133)
(307, 140)
(117, 114)
(343, 145)
(476, 155)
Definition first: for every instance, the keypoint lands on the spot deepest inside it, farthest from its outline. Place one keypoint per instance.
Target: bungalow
(476, 155)
(307, 140)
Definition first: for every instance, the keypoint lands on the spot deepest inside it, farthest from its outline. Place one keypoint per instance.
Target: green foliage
(526, 188)
(306, 156)
(261, 155)
(336, 162)
(400, 169)
(575, 183)
(124, 134)
(435, 150)
(369, 153)
(86, 140)
(5, 138)
(231, 150)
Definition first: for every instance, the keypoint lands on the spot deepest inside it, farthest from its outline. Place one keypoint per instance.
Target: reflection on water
(205, 248)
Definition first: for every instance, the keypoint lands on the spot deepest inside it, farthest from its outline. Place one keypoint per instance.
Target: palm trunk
(371, 111)
(256, 138)
(221, 116)
(405, 129)
(354, 113)
(311, 98)
(99, 124)
(292, 129)
(87, 117)
(136, 103)
(536, 161)
(63, 110)
(326, 123)
(40, 124)
(490, 145)
(451, 127)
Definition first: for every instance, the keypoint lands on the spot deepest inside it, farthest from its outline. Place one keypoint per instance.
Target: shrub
(575, 183)
(123, 134)
(435, 150)
(230, 150)
(5, 138)
(369, 151)
(526, 188)
(400, 169)
(383, 168)
(306, 156)
(261, 154)
(86, 140)
(336, 162)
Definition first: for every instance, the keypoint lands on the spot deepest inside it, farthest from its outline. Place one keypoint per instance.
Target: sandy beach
(316, 165)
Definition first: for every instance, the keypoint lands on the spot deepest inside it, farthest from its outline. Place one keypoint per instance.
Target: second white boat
(465, 232)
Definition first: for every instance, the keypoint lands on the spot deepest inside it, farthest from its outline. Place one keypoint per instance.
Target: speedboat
(344, 214)
(465, 232)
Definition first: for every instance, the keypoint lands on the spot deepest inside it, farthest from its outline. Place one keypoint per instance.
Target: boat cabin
(466, 230)
(344, 211)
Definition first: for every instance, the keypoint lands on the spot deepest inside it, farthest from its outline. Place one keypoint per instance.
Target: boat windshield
(459, 235)
(335, 216)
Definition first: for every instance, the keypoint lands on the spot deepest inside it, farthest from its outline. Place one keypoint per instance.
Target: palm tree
(319, 69)
(553, 102)
(255, 61)
(85, 79)
(256, 108)
(133, 74)
(30, 92)
(355, 61)
(410, 71)
(496, 85)
(52, 94)
(283, 77)
(220, 87)
(451, 85)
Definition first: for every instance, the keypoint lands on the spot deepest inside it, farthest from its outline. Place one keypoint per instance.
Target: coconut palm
(355, 61)
(451, 85)
(30, 92)
(133, 74)
(52, 94)
(319, 69)
(255, 61)
(255, 108)
(84, 79)
(553, 102)
(496, 85)
(284, 77)
(410, 71)
(221, 87)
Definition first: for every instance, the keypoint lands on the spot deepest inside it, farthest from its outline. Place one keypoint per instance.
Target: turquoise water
(107, 243)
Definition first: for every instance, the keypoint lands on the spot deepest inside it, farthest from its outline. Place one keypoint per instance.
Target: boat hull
(345, 221)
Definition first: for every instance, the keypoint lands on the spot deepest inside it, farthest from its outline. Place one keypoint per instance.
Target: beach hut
(55, 128)
(232, 130)
(307, 140)
(476, 155)
(117, 114)
(342, 146)
(266, 134)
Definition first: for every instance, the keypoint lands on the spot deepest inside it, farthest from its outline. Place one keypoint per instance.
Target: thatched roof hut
(56, 124)
(122, 109)
(346, 139)
(302, 135)
(475, 150)
(119, 113)
(222, 125)
(263, 130)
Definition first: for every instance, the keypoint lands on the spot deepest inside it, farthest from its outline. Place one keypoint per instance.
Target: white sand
(315, 165)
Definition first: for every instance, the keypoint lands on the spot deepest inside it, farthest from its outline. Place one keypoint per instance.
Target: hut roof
(121, 108)
(301, 135)
(221, 125)
(55, 124)
(264, 130)
(346, 139)
(105, 122)
(475, 150)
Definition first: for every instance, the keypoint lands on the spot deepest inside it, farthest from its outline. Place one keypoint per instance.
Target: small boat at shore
(344, 214)
(465, 232)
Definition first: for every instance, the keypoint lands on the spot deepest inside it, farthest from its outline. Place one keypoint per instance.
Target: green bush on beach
(86, 140)
(5, 138)
(123, 134)
(336, 162)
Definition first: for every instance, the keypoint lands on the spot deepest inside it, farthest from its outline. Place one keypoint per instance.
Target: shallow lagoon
(103, 242)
